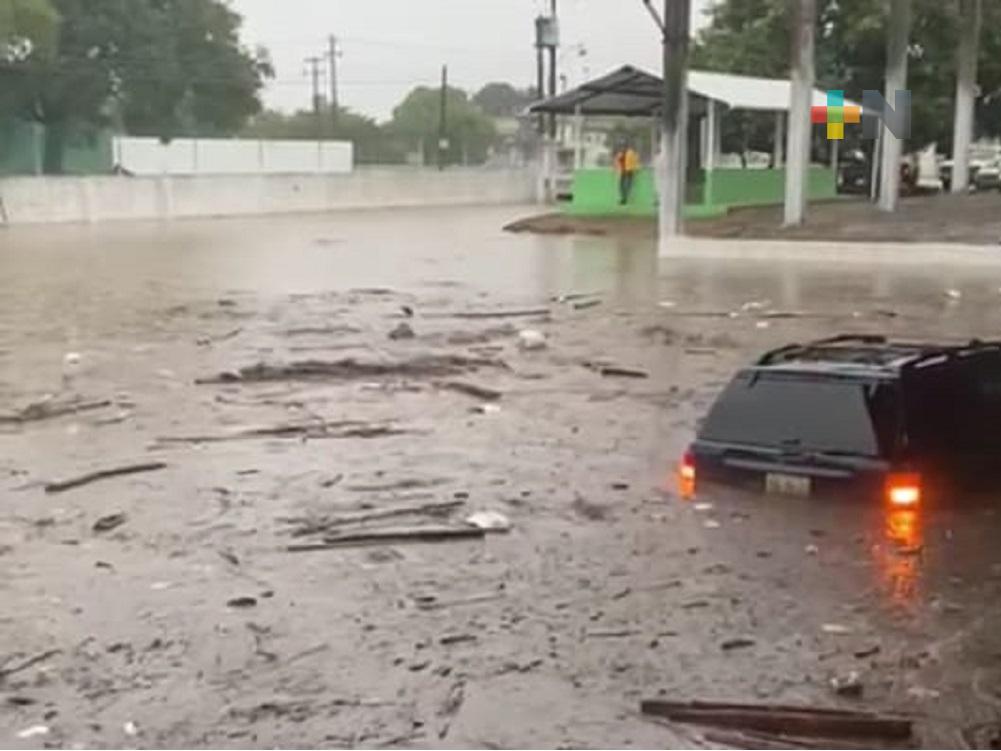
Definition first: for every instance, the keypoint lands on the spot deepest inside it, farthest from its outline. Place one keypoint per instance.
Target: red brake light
(687, 467)
(903, 490)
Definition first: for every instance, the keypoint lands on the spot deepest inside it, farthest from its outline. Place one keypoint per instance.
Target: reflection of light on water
(899, 561)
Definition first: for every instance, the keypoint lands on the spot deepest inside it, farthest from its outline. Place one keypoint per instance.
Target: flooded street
(202, 604)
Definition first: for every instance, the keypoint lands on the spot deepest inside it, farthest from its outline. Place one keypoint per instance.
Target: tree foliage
(499, 99)
(416, 123)
(751, 37)
(157, 67)
(27, 27)
(372, 145)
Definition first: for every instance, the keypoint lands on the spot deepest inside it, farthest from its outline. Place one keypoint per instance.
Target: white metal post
(803, 74)
(778, 143)
(676, 21)
(966, 90)
(898, 38)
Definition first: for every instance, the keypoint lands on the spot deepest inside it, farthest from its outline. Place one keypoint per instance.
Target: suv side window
(955, 405)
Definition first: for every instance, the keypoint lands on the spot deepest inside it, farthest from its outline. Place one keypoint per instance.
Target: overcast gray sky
(390, 46)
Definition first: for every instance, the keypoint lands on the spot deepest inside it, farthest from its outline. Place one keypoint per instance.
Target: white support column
(703, 143)
(712, 131)
(778, 144)
(966, 89)
(898, 39)
(578, 138)
(676, 24)
(803, 75)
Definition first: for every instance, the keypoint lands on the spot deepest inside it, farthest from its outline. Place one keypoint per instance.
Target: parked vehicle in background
(989, 176)
(945, 172)
(857, 417)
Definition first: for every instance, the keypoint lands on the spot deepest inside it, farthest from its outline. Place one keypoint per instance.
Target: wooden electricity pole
(966, 92)
(314, 66)
(443, 120)
(799, 130)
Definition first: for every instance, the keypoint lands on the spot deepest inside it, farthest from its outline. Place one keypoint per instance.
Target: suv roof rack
(869, 348)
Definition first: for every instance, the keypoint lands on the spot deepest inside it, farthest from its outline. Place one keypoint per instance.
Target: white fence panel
(216, 156)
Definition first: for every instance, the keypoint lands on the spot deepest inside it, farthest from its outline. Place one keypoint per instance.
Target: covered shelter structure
(713, 184)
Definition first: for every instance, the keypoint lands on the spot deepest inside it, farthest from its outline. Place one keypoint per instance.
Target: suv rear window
(808, 412)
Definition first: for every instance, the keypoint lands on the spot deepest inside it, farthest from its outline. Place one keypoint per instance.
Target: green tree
(416, 123)
(159, 67)
(502, 99)
(751, 37)
(27, 28)
(195, 79)
(372, 145)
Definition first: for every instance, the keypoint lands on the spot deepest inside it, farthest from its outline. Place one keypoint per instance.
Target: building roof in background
(632, 92)
(626, 92)
(750, 92)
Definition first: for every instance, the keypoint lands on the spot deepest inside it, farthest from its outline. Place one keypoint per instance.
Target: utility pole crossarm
(656, 16)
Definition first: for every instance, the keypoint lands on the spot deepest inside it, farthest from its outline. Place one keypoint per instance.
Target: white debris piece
(922, 694)
(711, 524)
(835, 628)
(762, 325)
(33, 731)
(492, 521)
(953, 294)
(130, 728)
(529, 340)
(487, 409)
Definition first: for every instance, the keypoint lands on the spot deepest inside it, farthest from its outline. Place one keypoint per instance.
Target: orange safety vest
(627, 161)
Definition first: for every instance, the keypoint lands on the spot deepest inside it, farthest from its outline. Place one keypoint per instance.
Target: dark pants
(626, 186)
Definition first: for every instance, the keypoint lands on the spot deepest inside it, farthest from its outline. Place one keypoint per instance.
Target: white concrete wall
(32, 200)
(217, 156)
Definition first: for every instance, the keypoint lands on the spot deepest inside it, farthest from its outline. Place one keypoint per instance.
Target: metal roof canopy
(631, 92)
(626, 92)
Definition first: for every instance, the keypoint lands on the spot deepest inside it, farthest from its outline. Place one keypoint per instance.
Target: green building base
(596, 192)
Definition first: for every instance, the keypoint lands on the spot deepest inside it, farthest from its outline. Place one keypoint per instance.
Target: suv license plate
(779, 484)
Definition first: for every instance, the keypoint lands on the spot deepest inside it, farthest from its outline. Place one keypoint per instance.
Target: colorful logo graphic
(835, 115)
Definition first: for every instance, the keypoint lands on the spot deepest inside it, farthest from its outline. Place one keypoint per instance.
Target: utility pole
(334, 103)
(314, 64)
(966, 92)
(552, 73)
(541, 79)
(443, 119)
(674, 26)
(898, 40)
(799, 131)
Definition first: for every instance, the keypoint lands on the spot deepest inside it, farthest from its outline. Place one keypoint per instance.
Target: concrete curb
(690, 248)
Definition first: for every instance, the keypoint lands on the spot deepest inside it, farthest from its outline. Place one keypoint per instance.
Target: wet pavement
(191, 624)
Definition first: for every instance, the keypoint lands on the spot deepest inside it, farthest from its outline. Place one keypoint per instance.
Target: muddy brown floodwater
(164, 608)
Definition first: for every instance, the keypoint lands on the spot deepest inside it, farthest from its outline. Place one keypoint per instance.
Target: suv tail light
(686, 470)
(903, 490)
(686, 476)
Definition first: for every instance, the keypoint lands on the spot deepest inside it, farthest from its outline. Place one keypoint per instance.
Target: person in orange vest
(627, 164)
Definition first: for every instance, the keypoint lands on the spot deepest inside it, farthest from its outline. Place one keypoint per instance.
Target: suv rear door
(825, 427)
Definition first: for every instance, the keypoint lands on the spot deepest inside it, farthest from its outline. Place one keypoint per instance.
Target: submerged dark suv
(858, 415)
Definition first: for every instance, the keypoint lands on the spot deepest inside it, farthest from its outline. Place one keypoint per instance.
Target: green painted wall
(22, 146)
(763, 187)
(596, 191)
(19, 147)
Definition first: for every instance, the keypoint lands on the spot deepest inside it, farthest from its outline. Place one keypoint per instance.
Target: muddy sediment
(165, 608)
